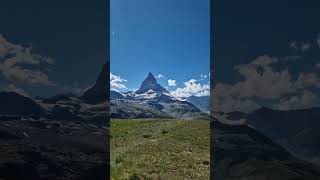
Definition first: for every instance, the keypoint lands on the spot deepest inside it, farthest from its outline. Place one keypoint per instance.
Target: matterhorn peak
(151, 78)
(150, 83)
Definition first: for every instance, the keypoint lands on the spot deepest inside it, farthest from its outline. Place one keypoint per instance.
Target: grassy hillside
(160, 149)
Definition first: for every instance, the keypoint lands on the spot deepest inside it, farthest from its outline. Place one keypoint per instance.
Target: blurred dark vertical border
(107, 12)
(212, 157)
(18, 169)
(262, 129)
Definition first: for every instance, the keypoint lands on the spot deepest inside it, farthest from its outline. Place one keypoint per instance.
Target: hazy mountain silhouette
(296, 130)
(12, 103)
(99, 92)
(241, 152)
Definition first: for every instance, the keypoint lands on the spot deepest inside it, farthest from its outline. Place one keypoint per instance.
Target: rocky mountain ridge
(151, 100)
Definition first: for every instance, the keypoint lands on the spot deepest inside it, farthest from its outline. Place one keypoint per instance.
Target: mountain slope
(116, 95)
(240, 152)
(12, 103)
(296, 130)
(99, 92)
(203, 102)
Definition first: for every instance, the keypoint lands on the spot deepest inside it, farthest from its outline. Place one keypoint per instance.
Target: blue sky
(266, 53)
(244, 30)
(72, 34)
(167, 37)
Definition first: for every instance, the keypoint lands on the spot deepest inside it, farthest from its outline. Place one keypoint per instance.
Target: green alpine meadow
(159, 148)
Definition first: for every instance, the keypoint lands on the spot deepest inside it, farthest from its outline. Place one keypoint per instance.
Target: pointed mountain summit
(100, 91)
(150, 83)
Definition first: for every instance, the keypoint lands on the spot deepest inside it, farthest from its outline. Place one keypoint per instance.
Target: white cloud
(13, 61)
(133, 89)
(191, 87)
(263, 60)
(117, 82)
(260, 81)
(301, 46)
(171, 82)
(20, 75)
(305, 46)
(203, 76)
(306, 99)
(227, 103)
(306, 80)
(160, 76)
(293, 44)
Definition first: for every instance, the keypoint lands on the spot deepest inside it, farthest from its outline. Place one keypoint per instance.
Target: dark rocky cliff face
(100, 91)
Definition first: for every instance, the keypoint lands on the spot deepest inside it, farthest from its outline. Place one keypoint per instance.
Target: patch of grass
(147, 136)
(149, 149)
(164, 132)
(135, 177)
(119, 160)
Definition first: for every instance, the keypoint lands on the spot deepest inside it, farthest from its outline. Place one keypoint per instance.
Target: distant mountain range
(152, 100)
(241, 152)
(295, 130)
(92, 105)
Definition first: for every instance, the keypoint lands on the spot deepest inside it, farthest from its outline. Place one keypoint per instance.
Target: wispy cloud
(305, 99)
(171, 82)
(159, 76)
(117, 83)
(13, 88)
(203, 76)
(301, 46)
(20, 65)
